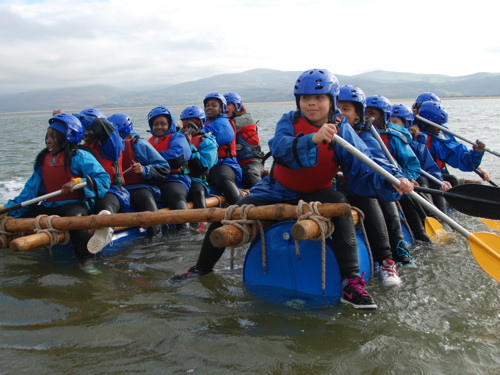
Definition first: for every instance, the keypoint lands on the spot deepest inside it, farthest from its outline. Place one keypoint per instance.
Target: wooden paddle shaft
(230, 235)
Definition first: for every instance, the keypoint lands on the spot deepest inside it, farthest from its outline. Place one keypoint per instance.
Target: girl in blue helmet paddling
(304, 168)
(60, 166)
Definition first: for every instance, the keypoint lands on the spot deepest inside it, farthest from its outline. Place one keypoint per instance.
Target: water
(55, 319)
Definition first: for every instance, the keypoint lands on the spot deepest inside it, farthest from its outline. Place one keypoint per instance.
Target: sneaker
(89, 267)
(354, 293)
(192, 272)
(201, 227)
(403, 255)
(101, 237)
(388, 273)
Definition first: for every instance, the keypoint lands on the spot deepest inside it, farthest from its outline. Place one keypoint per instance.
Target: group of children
(307, 165)
(215, 149)
(218, 148)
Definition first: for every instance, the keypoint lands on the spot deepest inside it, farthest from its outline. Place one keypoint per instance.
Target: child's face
(377, 114)
(213, 108)
(231, 110)
(398, 121)
(187, 128)
(160, 125)
(315, 108)
(51, 141)
(88, 137)
(349, 110)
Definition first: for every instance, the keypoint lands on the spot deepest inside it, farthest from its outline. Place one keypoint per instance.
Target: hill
(257, 85)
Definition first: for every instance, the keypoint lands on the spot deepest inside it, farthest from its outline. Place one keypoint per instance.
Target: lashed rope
(50, 231)
(3, 233)
(326, 229)
(248, 227)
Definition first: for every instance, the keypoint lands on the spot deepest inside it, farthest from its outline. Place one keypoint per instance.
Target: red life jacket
(307, 180)
(441, 164)
(113, 168)
(55, 175)
(227, 150)
(131, 178)
(162, 144)
(385, 138)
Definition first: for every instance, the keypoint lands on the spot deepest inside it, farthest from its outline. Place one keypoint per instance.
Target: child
(144, 168)
(60, 166)
(304, 168)
(444, 148)
(248, 150)
(103, 138)
(225, 175)
(175, 149)
(203, 156)
(352, 105)
(397, 142)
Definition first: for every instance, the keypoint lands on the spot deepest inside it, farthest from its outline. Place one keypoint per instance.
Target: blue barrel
(291, 277)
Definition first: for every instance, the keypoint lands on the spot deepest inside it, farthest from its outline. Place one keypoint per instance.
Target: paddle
(484, 246)
(43, 197)
(471, 199)
(493, 224)
(432, 227)
(444, 129)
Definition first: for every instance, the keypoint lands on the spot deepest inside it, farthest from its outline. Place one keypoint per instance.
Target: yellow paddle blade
(486, 249)
(436, 231)
(493, 224)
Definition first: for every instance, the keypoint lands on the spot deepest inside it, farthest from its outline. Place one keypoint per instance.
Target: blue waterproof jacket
(155, 167)
(177, 155)
(399, 147)
(427, 163)
(361, 179)
(82, 163)
(223, 132)
(451, 152)
(203, 158)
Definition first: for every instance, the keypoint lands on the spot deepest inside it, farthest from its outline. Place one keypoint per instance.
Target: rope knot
(50, 231)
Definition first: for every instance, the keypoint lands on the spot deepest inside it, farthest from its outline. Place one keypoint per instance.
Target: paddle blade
(486, 250)
(475, 200)
(436, 231)
(492, 224)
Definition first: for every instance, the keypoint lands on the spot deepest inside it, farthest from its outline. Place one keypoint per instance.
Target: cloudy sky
(131, 43)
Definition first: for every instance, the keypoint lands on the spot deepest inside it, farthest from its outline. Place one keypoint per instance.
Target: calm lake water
(54, 319)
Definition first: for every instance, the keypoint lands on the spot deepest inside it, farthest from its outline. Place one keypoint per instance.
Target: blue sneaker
(403, 255)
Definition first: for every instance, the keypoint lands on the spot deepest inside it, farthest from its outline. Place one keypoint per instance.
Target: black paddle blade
(471, 199)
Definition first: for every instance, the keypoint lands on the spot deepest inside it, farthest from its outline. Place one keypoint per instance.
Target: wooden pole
(229, 235)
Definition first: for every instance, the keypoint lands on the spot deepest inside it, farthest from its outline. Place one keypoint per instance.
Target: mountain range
(255, 86)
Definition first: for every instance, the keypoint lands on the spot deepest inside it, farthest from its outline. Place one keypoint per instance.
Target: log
(35, 240)
(146, 219)
(309, 229)
(230, 235)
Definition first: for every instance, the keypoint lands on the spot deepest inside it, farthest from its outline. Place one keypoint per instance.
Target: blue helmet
(317, 81)
(424, 97)
(216, 95)
(382, 103)
(194, 111)
(433, 111)
(160, 111)
(405, 112)
(87, 116)
(354, 94)
(68, 125)
(234, 98)
(123, 123)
